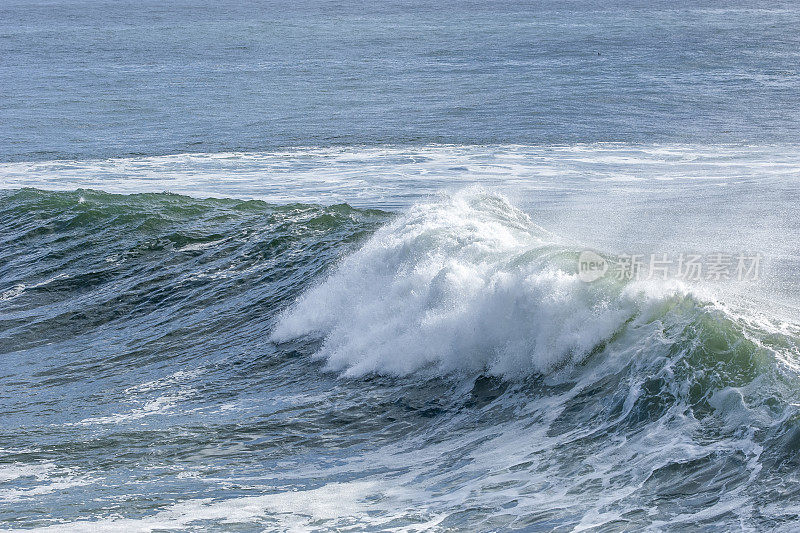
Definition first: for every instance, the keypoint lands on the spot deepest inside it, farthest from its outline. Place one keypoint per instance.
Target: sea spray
(466, 283)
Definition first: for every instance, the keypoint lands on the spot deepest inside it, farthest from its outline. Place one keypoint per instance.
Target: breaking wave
(485, 385)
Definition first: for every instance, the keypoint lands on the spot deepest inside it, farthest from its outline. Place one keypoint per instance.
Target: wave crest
(467, 283)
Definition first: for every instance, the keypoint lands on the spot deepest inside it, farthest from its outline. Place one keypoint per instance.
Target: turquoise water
(315, 266)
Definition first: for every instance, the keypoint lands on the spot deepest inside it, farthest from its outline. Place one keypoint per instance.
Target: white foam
(158, 406)
(463, 284)
(48, 478)
(331, 505)
(399, 175)
(9, 472)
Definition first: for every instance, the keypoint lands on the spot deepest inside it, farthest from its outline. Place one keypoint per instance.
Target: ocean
(455, 266)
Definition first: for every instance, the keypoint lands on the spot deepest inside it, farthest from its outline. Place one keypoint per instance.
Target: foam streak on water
(398, 176)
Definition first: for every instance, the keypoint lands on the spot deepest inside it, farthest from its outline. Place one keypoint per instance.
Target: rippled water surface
(99, 78)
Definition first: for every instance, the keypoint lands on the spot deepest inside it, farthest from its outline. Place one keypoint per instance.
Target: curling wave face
(468, 377)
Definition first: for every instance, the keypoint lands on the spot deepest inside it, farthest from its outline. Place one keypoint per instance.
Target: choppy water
(444, 367)
(314, 266)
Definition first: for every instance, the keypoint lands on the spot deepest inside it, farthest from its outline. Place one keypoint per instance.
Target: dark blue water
(110, 78)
